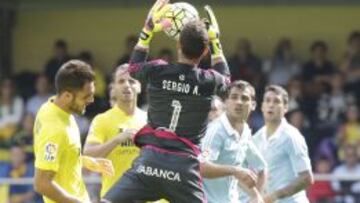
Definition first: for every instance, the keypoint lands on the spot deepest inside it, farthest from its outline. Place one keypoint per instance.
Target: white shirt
(222, 144)
(286, 154)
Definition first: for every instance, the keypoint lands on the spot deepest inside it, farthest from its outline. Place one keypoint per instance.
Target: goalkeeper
(179, 102)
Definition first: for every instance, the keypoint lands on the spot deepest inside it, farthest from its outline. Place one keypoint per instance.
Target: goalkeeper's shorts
(160, 174)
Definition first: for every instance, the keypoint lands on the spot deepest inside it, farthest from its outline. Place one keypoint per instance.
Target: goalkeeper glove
(214, 33)
(154, 22)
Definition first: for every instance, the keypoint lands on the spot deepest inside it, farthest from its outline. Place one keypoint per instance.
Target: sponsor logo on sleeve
(50, 152)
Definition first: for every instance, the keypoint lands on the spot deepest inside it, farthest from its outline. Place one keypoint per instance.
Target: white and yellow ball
(179, 14)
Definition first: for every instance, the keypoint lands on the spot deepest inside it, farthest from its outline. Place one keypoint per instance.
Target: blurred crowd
(324, 106)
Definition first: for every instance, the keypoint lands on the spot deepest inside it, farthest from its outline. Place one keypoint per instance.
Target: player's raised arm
(153, 23)
(138, 68)
(218, 61)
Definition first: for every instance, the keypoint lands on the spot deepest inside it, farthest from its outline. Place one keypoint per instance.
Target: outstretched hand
(213, 33)
(100, 165)
(212, 24)
(246, 177)
(154, 21)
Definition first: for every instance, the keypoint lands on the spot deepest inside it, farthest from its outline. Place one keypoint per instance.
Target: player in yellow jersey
(110, 132)
(58, 159)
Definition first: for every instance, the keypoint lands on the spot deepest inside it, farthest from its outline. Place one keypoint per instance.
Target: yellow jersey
(57, 148)
(105, 127)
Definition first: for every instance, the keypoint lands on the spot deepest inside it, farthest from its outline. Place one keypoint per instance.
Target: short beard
(77, 111)
(73, 109)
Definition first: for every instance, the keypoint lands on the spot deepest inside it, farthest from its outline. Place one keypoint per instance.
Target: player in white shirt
(228, 144)
(285, 151)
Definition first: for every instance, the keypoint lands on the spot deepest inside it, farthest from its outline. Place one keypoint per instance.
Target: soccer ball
(179, 14)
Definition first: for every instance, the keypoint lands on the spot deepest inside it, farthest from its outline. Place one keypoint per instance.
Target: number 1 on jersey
(175, 115)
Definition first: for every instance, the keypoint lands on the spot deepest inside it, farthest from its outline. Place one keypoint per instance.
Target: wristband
(145, 38)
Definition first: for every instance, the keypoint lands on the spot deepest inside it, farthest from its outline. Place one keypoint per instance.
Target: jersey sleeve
(211, 144)
(222, 67)
(49, 147)
(221, 83)
(140, 69)
(298, 153)
(97, 132)
(254, 159)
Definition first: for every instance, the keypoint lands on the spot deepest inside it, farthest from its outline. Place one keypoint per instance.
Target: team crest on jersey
(50, 151)
(182, 77)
